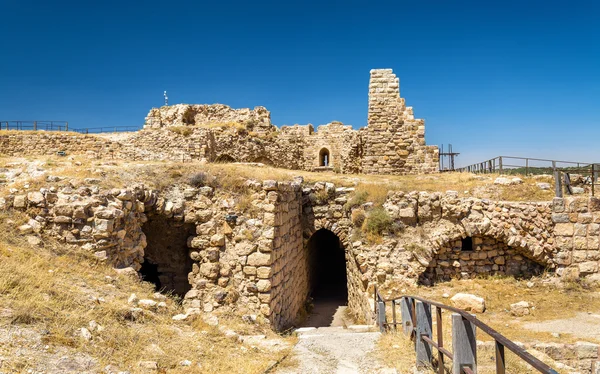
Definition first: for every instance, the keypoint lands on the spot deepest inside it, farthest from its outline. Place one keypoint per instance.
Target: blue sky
(490, 77)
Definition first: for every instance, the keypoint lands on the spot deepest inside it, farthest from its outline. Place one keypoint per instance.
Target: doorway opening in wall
(166, 257)
(467, 244)
(324, 159)
(328, 280)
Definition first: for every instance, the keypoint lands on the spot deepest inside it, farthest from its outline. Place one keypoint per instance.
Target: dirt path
(334, 350)
(583, 325)
(329, 343)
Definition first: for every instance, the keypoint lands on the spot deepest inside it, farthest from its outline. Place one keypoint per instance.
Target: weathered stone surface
(522, 308)
(468, 302)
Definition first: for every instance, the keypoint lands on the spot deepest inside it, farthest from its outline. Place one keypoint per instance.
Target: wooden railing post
(593, 179)
(424, 326)
(440, 338)
(558, 184)
(464, 344)
(500, 163)
(406, 315)
(381, 315)
(500, 361)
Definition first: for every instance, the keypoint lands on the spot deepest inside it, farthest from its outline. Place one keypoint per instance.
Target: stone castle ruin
(268, 255)
(393, 142)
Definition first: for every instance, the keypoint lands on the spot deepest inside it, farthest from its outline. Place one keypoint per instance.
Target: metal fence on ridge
(61, 126)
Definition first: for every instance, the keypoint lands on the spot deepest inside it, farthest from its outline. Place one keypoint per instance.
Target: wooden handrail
(500, 340)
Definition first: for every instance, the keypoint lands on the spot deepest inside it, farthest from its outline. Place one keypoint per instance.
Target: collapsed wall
(249, 252)
(393, 142)
(257, 119)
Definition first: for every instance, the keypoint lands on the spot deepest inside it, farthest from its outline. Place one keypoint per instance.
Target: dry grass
(395, 350)
(57, 290)
(551, 302)
(371, 188)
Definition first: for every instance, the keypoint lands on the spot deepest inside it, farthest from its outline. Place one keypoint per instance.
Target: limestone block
(264, 272)
(585, 350)
(210, 270)
(588, 267)
(217, 240)
(103, 224)
(564, 229)
(36, 198)
(522, 308)
(245, 248)
(263, 285)
(468, 302)
(20, 202)
(259, 259)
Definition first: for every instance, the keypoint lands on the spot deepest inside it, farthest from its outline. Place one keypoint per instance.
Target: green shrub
(358, 199)
(378, 221)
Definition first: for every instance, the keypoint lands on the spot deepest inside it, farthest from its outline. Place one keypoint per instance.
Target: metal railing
(35, 125)
(522, 165)
(416, 322)
(61, 126)
(589, 174)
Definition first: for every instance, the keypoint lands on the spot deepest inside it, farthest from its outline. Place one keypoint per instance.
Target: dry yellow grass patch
(550, 302)
(373, 188)
(60, 291)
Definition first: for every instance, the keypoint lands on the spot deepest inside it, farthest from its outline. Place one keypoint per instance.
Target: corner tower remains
(394, 141)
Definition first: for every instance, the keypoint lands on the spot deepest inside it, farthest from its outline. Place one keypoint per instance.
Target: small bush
(358, 217)
(200, 179)
(378, 221)
(358, 199)
(181, 130)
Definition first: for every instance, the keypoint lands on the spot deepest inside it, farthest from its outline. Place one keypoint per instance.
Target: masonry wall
(290, 262)
(394, 142)
(251, 258)
(487, 256)
(24, 143)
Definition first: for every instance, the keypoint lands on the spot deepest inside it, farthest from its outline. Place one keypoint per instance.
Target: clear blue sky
(490, 77)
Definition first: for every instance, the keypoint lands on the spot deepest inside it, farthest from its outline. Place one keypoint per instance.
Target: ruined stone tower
(394, 141)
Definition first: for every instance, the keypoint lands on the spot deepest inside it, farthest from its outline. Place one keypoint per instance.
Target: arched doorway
(327, 278)
(224, 159)
(324, 157)
(166, 257)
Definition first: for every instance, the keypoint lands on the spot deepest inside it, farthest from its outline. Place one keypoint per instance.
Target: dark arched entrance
(327, 277)
(166, 257)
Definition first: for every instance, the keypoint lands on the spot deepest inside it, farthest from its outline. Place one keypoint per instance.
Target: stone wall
(40, 143)
(290, 262)
(486, 256)
(394, 141)
(248, 250)
(257, 119)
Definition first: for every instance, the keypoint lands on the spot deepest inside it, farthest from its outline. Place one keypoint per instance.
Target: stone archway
(479, 255)
(166, 257)
(224, 158)
(328, 280)
(327, 266)
(324, 157)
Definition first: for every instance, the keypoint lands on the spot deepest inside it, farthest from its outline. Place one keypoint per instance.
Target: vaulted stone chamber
(166, 260)
(477, 256)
